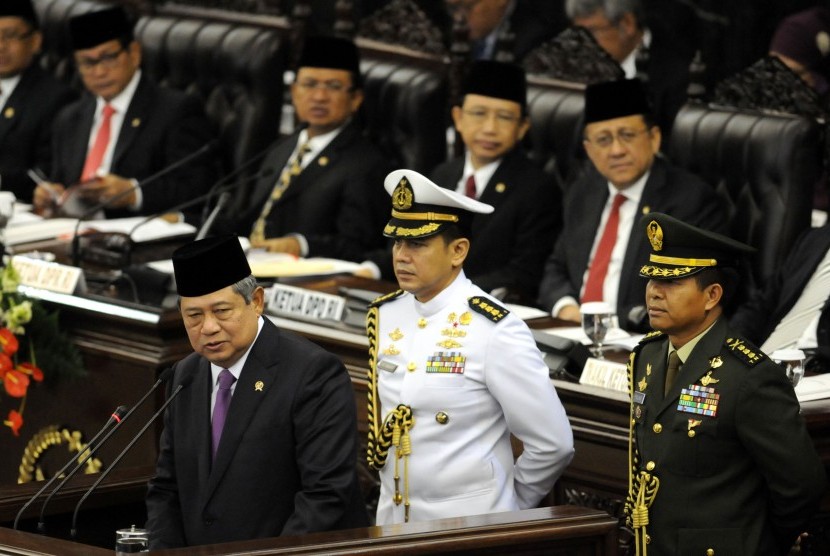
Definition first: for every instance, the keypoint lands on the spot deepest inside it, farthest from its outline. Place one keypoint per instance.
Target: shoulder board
(652, 336)
(384, 298)
(745, 351)
(488, 308)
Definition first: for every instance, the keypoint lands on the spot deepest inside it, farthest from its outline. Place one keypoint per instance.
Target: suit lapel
(317, 167)
(200, 427)
(76, 149)
(135, 119)
(11, 111)
(257, 378)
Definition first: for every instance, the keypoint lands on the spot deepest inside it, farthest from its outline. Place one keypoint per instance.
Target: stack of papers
(811, 388)
(26, 227)
(614, 337)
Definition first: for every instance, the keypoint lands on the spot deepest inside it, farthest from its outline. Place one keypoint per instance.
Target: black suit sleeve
(326, 450)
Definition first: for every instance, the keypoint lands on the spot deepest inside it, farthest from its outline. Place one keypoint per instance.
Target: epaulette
(387, 297)
(745, 351)
(652, 336)
(488, 308)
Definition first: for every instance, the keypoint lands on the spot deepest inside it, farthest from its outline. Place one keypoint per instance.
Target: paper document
(526, 313)
(613, 336)
(813, 388)
(152, 230)
(278, 265)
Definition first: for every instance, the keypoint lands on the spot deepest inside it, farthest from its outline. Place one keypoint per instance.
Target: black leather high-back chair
(555, 137)
(763, 165)
(236, 69)
(405, 106)
(56, 53)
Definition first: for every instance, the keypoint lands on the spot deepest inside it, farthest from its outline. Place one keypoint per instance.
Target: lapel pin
(136, 122)
(500, 188)
(646, 209)
(9, 112)
(259, 386)
(324, 161)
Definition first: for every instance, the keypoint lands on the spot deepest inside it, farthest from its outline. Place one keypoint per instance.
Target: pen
(37, 176)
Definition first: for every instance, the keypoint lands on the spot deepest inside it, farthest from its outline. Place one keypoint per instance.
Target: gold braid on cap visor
(431, 216)
(681, 261)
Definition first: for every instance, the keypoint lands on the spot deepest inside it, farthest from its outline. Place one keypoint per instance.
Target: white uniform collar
(457, 289)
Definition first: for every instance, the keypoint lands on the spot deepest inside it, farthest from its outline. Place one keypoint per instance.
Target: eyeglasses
(15, 36)
(624, 136)
(330, 86)
(106, 61)
(480, 115)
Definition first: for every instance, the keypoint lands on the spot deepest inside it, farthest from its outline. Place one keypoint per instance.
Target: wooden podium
(557, 531)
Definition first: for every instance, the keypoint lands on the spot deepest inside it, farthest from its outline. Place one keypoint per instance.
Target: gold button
(411, 366)
(691, 433)
(442, 418)
(650, 466)
(658, 428)
(710, 552)
(648, 539)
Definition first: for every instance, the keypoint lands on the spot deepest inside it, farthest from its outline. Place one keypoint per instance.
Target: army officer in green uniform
(721, 462)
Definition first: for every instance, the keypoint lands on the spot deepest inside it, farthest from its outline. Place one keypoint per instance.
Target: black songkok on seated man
(615, 99)
(209, 265)
(93, 28)
(497, 80)
(20, 8)
(331, 53)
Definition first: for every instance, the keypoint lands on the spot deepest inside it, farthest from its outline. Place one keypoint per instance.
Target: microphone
(226, 188)
(184, 383)
(41, 525)
(141, 184)
(116, 417)
(224, 197)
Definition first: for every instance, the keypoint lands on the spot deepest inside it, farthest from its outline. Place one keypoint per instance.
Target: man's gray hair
(246, 288)
(612, 9)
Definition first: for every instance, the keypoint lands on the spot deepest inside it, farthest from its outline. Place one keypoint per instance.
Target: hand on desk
(570, 313)
(106, 187)
(287, 244)
(46, 198)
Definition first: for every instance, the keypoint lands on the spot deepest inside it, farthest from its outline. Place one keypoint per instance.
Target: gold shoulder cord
(396, 426)
(642, 486)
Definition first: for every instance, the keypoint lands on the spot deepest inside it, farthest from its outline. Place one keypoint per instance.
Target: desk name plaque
(605, 374)
(50, 276)
(300, 303)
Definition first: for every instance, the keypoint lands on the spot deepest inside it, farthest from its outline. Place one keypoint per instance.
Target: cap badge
(402, 196)
(655, 235)
(259, 386)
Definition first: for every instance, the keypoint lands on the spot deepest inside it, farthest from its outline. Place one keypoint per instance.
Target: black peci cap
(93, 28)
(497, 80)
(615, 99)
(209, 265)
(20, 8)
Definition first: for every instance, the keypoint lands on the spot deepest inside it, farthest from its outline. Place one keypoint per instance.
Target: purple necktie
(220, 409)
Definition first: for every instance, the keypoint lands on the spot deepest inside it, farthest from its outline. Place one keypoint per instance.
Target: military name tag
(387, 366)
(299, 303)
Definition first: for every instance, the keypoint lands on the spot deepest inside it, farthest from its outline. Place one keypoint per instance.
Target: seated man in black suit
(327, 198)
(645, 48)
(793, 309)
(531, 23)
(125, 129)
(511, 244)
(29, 96)
(598, 251)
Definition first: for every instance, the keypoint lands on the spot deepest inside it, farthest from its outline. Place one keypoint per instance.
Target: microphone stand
(76, 255)
(73, 531)
(117, 416)
(41, 525)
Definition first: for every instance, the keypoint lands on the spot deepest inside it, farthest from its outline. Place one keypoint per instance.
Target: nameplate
(299, 303)
(605, 374)
(47, 275)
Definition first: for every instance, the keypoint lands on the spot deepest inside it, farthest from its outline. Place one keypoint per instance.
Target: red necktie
(470, 187)
(602, 257)
(99, 146)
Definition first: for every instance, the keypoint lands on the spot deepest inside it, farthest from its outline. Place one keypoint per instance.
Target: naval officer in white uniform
(453, 373)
